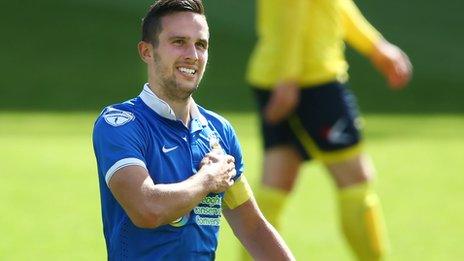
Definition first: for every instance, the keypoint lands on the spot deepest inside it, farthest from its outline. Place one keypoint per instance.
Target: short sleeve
(235, 150)
(240, 192)
(118, 142)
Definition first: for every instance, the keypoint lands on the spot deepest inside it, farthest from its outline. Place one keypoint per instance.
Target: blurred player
(165, 164)
(299, 76)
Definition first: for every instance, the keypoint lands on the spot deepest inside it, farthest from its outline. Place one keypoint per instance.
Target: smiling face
(177, 63)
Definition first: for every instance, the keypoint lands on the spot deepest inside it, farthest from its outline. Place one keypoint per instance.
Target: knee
(354, 171)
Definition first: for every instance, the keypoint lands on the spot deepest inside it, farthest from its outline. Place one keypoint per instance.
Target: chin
(187, 90)
(188, 85)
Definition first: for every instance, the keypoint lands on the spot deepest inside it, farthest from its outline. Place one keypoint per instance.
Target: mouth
(188, 72)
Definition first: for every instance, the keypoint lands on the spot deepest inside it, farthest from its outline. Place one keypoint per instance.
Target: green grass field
(50, 209)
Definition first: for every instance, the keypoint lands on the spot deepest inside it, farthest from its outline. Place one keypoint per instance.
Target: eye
(178, 42)
(202, 45)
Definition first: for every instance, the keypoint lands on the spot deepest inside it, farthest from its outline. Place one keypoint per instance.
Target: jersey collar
(163, 109)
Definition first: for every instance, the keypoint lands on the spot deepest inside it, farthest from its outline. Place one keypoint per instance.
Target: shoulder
(220, 124)
(214, 118)
(119, 117)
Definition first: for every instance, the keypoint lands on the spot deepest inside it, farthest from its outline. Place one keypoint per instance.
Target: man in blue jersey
(169, 168)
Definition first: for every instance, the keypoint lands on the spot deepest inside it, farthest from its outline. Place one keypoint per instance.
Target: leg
(360, 212)
(356, 170)
(329, 129)
(280, 170)
(282, 160)
(281, 165)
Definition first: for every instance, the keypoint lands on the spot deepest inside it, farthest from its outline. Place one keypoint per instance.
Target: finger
(230, 167)
(270, 112)
(230, 159)
(407, 65)
(233, 173)
(274, 105)
(406, 59)
(396, 81)
(276, 114)
(205, 161)
(402, 73)
(214, 156)
(208, 159)
(394, 73)
(230, 182)
(403, 63)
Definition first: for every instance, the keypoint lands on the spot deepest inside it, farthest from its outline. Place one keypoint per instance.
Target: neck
(181, 107)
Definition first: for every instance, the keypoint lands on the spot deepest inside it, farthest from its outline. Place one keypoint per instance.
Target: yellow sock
(362, 221)
(271, 202)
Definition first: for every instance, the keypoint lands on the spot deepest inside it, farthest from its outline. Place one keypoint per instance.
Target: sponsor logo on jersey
(115, 117)
(208, 212)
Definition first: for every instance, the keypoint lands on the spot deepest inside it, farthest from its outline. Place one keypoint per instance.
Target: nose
(191, 53)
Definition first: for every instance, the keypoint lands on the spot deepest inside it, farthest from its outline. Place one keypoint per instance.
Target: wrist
(202, 180)
(378, 49)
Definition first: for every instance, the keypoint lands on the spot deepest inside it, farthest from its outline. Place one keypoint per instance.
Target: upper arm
(119, 150)
(241, 210)
(117, 146)
(243, 218)
(128, 186)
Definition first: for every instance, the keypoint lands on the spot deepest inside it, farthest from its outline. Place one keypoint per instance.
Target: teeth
(187, 70)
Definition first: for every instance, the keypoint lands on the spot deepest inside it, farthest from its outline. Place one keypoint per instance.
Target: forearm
(258, 236)
(167, 202)
(150, 205)
(263, 242)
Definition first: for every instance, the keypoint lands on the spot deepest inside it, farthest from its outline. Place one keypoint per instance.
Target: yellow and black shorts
(325, 125)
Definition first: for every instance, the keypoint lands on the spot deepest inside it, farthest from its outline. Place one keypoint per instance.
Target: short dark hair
(151, 23)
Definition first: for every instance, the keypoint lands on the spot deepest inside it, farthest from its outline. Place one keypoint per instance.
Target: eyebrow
(203, 41)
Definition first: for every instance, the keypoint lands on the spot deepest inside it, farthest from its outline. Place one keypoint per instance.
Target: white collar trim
(163, 109)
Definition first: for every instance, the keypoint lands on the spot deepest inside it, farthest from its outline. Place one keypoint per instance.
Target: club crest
(117, 117)
(214, 141)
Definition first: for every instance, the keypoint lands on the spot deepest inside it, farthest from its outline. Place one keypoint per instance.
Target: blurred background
(63, 61)
(81, 55)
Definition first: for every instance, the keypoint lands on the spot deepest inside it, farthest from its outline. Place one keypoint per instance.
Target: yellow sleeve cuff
(238, 194)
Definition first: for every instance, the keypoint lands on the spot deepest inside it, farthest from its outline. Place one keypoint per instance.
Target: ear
(145, 51)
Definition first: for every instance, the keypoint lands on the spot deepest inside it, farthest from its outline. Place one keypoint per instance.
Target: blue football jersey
(145, 132)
